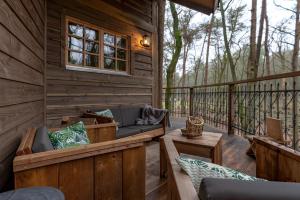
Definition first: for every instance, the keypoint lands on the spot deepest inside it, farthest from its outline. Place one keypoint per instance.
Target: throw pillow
(198, 169)
(105, 113)
(70, 136)
(41, 141)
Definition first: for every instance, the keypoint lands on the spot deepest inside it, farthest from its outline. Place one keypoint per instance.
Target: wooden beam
(204, 6)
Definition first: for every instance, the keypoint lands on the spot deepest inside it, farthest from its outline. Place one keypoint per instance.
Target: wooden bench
(110, 133)
(180, 186)
(276, 162)
(113, 169)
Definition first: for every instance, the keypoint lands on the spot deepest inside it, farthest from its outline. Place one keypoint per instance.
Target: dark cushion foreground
(228, 189)
(41, 141)
(33, 193)
(130, 115)
(145, 128)
(125, 132)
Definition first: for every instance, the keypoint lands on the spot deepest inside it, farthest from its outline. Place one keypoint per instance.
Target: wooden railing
(241, 107)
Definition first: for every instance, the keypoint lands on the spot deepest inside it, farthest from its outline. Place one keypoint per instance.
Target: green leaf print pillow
(70, 136)
(198, 169)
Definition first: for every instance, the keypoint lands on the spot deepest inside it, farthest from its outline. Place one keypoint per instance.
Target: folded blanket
(153, 116)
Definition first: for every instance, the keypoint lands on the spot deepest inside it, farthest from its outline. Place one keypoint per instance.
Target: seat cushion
(117, 115)
(125, 132)
(229, 189)
(33, 193)
(199, 169)
(41, 141)
(145, 128)
(69, 136)
(130, 115)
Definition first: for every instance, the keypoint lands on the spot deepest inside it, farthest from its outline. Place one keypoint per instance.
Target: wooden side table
(209, 145)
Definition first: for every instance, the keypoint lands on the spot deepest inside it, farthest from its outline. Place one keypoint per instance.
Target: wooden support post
(191, 101)
(230, 109)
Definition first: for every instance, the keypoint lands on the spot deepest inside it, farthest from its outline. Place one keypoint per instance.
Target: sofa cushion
(33, 193)
(130, 115)
(125, 132)
(198, 169)
(145, 128)
(228, 189)
(69, 136)
(41, 141)
(117, 115)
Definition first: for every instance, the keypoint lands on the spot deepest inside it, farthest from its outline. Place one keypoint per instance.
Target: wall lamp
(146, 41)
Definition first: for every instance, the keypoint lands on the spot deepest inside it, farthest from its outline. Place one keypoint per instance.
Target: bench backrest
(274, 128)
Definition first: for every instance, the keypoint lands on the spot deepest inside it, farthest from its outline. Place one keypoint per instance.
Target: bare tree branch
(280, 6)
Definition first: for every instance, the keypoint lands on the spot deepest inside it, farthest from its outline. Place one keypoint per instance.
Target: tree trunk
(202, 49)
(185, 54)
(207, 48)
(172, 66)
(161, 23)
(267, 53)
(260, 33)
(295, 67)
(183, 97)
(297, 37)
(226, 42)
(251, 68)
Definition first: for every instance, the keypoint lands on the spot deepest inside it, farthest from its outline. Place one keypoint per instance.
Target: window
(93, 47)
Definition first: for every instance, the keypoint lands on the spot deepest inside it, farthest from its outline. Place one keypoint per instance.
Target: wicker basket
(194, 127)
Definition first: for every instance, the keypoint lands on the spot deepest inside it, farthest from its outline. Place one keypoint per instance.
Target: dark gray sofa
(228, 189)
(126, 120)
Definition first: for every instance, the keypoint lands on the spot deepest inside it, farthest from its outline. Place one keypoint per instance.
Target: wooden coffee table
(209, 145)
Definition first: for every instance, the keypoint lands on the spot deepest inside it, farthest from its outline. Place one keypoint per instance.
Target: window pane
(75, 58)
(75, 44)
(122, 54)
(91, 60)
(109, 51)
(109, 64)
(121, 65)
(92, 47)
(91, 34)
(121, 42)
(109, 39)
(75, 29)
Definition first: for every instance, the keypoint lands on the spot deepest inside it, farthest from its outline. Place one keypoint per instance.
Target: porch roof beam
(204, 6)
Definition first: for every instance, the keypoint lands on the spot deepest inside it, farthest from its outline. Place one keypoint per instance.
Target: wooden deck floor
(234, 156)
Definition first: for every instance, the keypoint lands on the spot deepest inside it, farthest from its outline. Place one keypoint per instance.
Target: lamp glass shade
(146, 41)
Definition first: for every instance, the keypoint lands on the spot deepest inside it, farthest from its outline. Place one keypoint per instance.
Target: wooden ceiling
(204, 6)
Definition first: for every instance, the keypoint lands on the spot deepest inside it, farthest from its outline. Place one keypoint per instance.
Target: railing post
(191, 100)
(230, 109)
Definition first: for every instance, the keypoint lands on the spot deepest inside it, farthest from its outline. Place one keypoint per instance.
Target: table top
(208, 139)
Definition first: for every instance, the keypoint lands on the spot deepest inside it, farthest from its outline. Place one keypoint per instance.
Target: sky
(275, 14)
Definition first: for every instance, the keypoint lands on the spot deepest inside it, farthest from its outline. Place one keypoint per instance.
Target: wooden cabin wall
(72, 92)
(21, 76)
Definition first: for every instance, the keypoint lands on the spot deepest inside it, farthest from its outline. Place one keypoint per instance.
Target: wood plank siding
(22, 61)
(71, 92)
